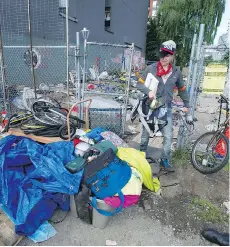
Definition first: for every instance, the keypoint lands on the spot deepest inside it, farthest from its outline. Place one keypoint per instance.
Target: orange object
(221, 147)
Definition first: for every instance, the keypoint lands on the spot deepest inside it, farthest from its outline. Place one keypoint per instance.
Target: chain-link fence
(33, 51)
(108, 74)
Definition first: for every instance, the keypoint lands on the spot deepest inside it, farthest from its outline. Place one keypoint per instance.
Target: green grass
(181, 157)
(207, 212)
(226, 168)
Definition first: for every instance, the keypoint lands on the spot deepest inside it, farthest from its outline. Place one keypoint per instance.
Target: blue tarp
(34, 181)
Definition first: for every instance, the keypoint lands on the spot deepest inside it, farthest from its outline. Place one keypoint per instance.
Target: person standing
(168, 76)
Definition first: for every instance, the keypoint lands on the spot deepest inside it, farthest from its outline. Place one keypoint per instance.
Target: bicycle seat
(216, 237)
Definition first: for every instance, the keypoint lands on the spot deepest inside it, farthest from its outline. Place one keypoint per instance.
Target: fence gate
(108, 72)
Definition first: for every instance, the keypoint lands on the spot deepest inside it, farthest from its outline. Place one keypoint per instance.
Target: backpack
(105, 176)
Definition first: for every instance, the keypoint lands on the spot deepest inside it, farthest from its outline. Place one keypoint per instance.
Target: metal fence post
(78, 71)
(127, 89)
(199, 76)
(31, 49)
(2, 71)
(191, 62)
(67, 49)
(194, 76)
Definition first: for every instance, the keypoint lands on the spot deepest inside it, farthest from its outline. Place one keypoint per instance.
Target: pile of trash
(97, 167)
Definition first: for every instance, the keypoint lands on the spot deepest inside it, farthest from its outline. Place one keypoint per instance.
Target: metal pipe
(2, 70)
(84, 69)
(200, 74)
(78, 73)
(191, 58)
(194, 79)
(38, 46)
(78, 66)
(107, 44)
(110, 94)
(78, 69)
(67, 48)
(31, 50)
(127, 89)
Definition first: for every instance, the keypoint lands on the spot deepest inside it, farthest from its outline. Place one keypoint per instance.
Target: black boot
(216, 237)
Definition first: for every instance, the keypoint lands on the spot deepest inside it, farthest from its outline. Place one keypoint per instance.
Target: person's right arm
(141, 84)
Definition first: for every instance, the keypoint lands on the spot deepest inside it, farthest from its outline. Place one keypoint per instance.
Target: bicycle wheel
(44, 103)
(206, 156)
(18, 119)
(63, 132)
(41, 117)
(32, 124)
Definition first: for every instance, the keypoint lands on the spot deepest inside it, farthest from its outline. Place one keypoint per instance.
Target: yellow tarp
(136, 159)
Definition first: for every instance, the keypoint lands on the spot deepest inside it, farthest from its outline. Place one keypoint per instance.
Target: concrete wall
(90, 14)
(128, 20)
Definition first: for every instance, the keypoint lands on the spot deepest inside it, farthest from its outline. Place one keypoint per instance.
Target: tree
(208, 60)
(178, 19)
(226, 59)
(152, 41)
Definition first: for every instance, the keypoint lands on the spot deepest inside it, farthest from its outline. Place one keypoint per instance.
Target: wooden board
(41, 139)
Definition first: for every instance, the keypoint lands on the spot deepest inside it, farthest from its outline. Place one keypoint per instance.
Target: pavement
(133, 226)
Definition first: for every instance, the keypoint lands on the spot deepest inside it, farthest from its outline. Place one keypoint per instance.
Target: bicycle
(46, 120)
(210, 152)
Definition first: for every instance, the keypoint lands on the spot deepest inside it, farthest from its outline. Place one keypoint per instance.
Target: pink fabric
(115, 201)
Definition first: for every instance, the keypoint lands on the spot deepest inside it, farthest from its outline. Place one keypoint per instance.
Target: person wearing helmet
(168, 76)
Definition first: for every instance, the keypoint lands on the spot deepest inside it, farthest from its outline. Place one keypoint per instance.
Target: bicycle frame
(86, 115)
(223, 100)
(221, 127)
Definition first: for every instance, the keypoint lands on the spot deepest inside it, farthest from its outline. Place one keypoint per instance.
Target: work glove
(189, 118)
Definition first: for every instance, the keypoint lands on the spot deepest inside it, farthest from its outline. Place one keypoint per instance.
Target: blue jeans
(167, 132)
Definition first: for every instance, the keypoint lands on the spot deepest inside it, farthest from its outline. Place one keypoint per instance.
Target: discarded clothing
(34, 181)
(43, 233)
(95, 134)
(114, 138)
(136, 159)
(134, 185)
(115, 201)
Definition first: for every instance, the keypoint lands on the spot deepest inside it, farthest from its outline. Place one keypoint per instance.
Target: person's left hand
(185, 109)
(189, 118)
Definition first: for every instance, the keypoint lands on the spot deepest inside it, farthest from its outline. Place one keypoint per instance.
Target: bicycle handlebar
(143, 98)
(178, 109)
(224, 98)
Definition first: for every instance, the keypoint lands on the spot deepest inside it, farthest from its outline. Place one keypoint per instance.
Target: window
(62, 6)
(154, 4)
(107, 17)
(62, 3)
